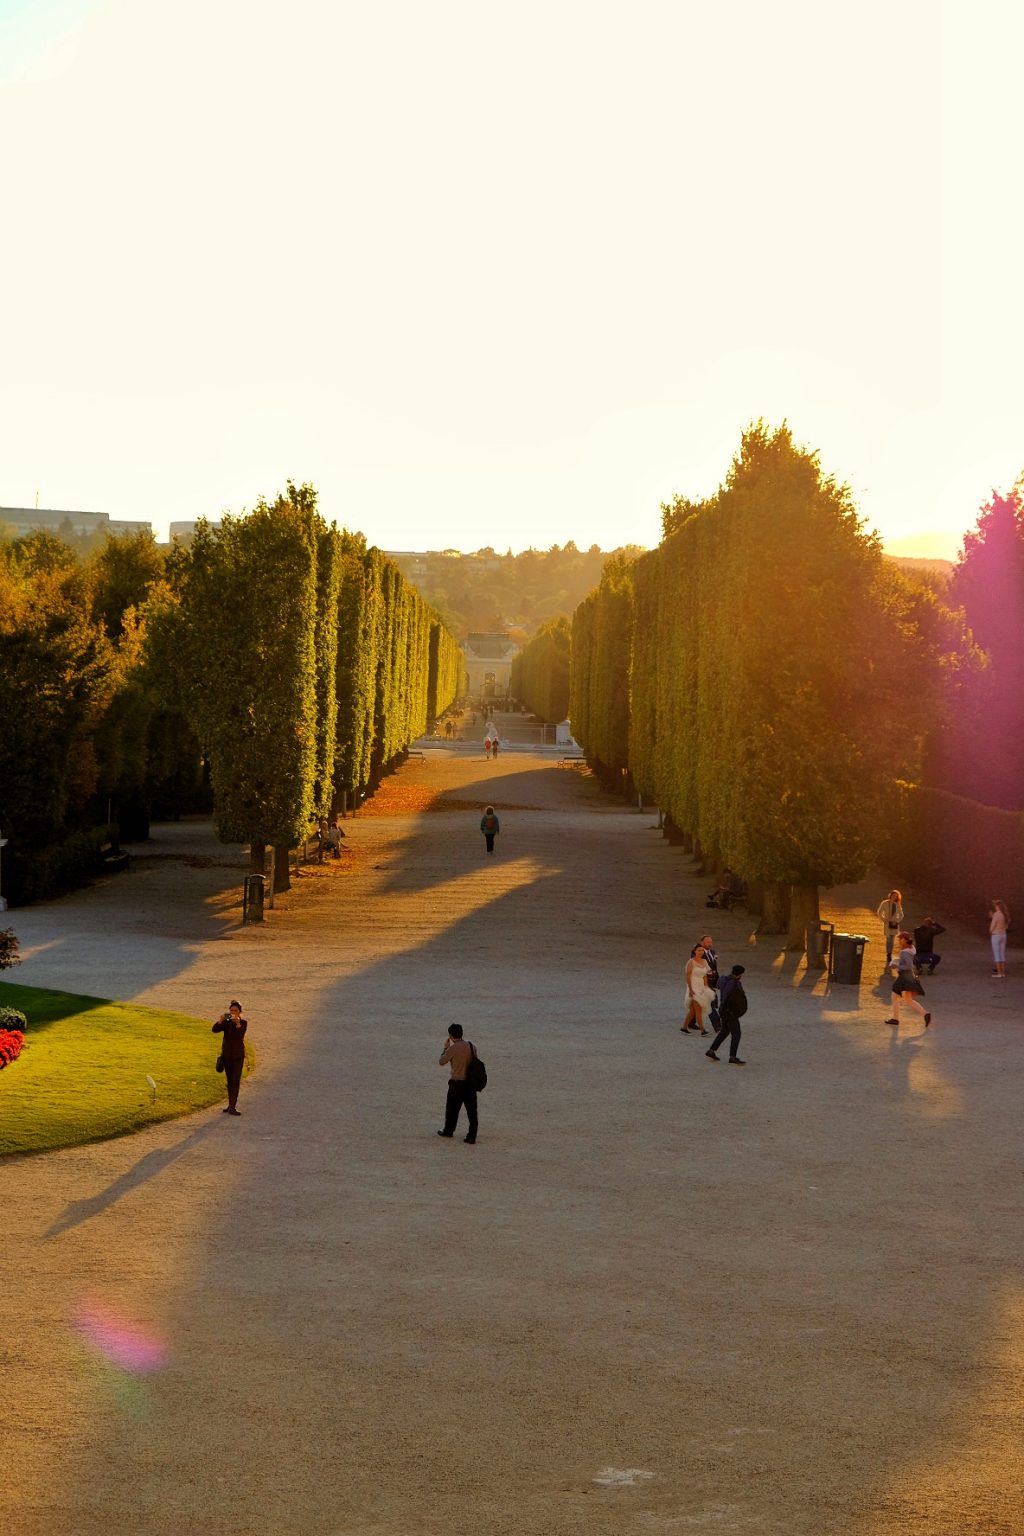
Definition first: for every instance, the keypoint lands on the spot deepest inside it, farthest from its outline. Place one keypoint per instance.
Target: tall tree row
(307, 662)
(777, 679)
(540, 671)
(274, 663)
(599, 704)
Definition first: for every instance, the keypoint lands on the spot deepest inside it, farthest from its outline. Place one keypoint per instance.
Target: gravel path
(659, 1295)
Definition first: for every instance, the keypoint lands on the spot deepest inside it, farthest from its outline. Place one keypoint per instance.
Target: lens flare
(121, 1342)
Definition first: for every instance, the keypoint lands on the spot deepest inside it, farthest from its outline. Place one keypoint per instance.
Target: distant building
(120, 525)
(16, 522)
(489, 664)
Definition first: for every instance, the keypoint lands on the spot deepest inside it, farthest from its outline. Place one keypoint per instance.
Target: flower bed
(11, 1042)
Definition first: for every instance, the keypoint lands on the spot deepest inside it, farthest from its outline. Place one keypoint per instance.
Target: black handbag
(219, 1063)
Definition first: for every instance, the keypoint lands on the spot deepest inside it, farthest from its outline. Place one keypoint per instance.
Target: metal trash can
(252, 898)
(847, 957)
(819, 944)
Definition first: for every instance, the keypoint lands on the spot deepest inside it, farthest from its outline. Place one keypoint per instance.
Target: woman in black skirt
(906, 989)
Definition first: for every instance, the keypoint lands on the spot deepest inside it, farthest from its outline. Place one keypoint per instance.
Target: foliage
(290, 657)
(398, 666)
(13, 1018)
(11, 1043)
(980, 756)
(952, 844)
(540, 671)
(599, 686)
(121, 575)
(9, 949)
(246, 644)
(759, 648)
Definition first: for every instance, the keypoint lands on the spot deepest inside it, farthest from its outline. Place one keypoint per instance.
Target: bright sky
(504, 274)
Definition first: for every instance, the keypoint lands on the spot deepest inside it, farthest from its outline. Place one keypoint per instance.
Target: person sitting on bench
(730, 889)
(924, 939)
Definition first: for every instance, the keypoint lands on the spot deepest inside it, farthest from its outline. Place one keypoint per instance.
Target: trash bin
(252, 898)
(847, 957)
(819, 943)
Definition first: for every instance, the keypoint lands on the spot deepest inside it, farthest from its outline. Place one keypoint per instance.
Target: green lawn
(82, 1073)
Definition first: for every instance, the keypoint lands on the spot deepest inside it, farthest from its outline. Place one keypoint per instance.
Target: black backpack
(476, 1072)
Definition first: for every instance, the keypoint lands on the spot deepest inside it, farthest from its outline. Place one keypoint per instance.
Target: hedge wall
(972, 851)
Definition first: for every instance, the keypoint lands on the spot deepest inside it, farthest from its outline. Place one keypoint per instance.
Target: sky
(493, 275)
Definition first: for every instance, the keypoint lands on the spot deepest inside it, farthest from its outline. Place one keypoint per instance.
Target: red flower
(11, 1042)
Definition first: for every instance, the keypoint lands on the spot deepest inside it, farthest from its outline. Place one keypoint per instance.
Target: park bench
(724, 901)
(571, 760)
(114, 858)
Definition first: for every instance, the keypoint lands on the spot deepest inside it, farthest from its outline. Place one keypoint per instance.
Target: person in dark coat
(924, 945)
(232, 1026)
(490, 827)
(732, 1002)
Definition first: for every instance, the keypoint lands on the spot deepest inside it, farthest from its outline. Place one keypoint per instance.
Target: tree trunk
(755, 899)
(671, 833)
(257, 858)
(281, 877)
(774, 908)
(804, 913)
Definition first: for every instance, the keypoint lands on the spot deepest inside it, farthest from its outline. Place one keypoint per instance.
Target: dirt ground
(659, 1295)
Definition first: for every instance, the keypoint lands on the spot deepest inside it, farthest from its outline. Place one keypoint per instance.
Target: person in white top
(890, 915)
(698, 990)
(998, 923)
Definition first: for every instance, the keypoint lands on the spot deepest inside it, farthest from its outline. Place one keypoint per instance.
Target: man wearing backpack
(489, 827)
(459, 1055)
(733, 1005)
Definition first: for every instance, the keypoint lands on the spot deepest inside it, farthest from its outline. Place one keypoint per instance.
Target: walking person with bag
(467, 1078)
(232, 1057)
(490, 827)
(733, 1005)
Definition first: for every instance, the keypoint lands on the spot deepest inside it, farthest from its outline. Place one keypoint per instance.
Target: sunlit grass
(82, 1073)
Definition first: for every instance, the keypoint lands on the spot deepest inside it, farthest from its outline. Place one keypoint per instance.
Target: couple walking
(724, 1009)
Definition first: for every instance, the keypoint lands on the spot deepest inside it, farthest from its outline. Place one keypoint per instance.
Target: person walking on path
(700, 993)
(494, 747)
(890, 915)
(487, 748)
(457, 1055)
(490, 827)
(233, 1027)
(998, 923)
(906, 988)
(733, 1005)
(711, 961)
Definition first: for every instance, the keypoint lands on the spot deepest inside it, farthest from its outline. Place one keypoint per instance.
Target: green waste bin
(819, 943)
(252, 898)
(847, 957)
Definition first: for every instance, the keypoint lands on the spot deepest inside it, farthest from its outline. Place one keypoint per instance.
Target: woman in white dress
(698, 991)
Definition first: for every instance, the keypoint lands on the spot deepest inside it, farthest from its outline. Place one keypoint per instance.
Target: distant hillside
(933, 573)
(488, 592)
